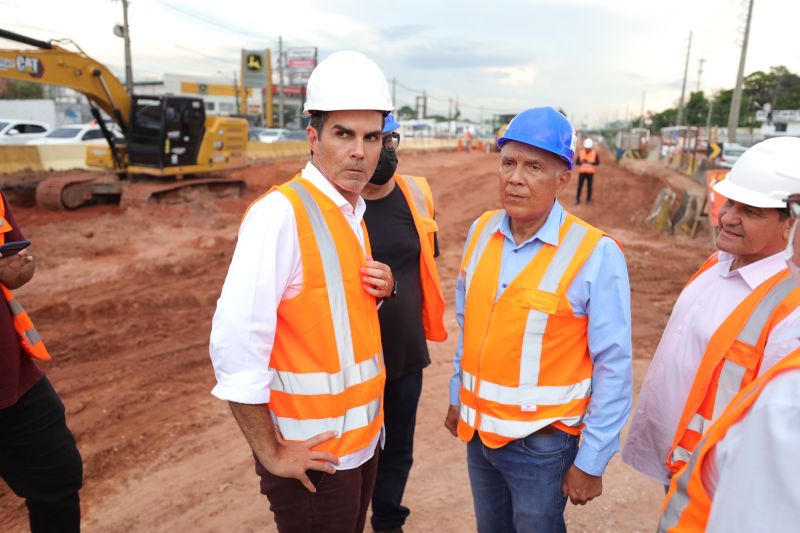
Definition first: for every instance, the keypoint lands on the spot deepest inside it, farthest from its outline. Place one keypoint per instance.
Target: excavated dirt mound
(124, 300)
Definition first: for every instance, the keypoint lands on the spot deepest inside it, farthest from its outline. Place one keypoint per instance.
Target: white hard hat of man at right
(765, 175)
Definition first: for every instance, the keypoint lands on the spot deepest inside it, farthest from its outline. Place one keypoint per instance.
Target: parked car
(253, 132)
(271, 135)
(730, 153)
(13, 131)
(76, 133)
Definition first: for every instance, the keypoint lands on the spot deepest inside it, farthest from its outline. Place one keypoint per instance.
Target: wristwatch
(394, 291)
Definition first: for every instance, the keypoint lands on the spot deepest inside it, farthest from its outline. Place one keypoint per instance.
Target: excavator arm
(51, 64)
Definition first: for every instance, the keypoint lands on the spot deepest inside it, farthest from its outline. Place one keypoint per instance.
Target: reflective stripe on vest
(419, 197)
(480, 246)
(498, 399)
(687, 505)
(316, 393)
(333, 277)
(732, 376)
(355, 418)
(29, 337)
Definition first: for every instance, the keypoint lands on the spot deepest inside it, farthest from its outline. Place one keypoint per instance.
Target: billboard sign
(254, 68)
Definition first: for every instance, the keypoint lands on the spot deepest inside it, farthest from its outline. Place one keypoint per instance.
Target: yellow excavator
(166, 138)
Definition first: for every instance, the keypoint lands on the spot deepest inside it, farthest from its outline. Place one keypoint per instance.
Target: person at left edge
(295, 339)
(39, 458)
(544, 356)
(401, 226)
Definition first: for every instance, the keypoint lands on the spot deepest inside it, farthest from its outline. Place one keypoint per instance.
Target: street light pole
(736, 101)
(127, 37)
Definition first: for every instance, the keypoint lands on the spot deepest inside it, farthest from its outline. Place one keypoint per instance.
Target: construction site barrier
(258, 151)
(14, 158)
(62, 156)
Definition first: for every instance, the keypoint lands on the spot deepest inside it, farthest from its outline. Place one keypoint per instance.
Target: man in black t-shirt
(402, 232)
(38, 457)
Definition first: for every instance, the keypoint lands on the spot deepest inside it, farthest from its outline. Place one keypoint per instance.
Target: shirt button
(505, 285)
(515, 250)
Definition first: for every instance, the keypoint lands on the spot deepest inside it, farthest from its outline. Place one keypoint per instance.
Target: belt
(547, 430)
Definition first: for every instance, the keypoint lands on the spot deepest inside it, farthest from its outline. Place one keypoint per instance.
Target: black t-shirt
(395, 241)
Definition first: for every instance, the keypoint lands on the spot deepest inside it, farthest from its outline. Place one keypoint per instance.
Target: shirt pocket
(546, 302)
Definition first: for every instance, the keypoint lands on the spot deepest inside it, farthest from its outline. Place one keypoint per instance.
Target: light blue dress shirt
(600, 291)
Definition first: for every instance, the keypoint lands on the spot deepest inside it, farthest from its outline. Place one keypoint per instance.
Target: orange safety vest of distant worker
(29, 337)
(326, 361)
(587, 158)
(688, 504)
(526, 361)
(420, 201)
(732, 358)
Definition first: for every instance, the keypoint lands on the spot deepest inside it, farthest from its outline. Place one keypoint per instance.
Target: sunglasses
(391, 141)
(793, 203)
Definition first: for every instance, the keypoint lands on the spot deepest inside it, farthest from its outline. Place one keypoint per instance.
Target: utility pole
(281, 118)
(700, 72)
(681, 107)
(736, 101)
(125, 32)
(708, 117)
(394, 91)
(641, 115)
(450, 108)
(424, 105)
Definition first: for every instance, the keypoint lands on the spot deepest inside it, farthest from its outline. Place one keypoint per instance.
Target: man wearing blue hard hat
(542, 384)
(401, 226)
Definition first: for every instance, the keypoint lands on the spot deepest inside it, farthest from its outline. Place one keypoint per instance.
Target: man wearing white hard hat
(586, 161)
(735, 318)
(295, 340)
(743, 473)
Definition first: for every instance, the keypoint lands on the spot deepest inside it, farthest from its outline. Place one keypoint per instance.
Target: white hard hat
(587, 144)
(347, 80)
(765, 174)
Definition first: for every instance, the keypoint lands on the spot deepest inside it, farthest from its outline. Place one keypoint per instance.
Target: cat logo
(254, 62)
(30, 65)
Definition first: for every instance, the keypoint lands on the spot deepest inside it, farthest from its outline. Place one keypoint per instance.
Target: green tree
(22, 90)
(406, 113)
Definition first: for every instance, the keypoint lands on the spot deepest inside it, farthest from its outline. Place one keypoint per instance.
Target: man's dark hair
(783, 213)
(317, 121)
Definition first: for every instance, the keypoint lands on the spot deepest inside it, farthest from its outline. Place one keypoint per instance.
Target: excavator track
(65, 192)
(184, 191)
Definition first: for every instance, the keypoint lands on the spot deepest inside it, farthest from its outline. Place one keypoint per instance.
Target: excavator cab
(165, 131)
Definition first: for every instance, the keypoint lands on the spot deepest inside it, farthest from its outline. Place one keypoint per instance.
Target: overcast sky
(592, 58)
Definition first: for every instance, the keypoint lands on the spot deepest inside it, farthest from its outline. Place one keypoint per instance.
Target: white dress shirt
(751, 474)
(266, 268)
(699, 311)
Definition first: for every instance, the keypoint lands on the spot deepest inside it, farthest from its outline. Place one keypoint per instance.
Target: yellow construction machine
(167, 138)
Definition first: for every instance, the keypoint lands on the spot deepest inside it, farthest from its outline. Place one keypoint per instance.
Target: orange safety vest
(420, 201)
(29, 337)
(587, 160)
(688, 505)
(326, 360)
(526, 361)
(732, 358)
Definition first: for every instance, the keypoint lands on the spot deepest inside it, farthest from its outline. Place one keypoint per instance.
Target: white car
(730, 153)
(77, 133)
(14, 131)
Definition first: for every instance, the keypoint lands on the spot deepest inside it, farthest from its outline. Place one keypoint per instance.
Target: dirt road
(124, 301)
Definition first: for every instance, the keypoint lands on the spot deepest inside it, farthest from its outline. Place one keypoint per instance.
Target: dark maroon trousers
(339, 506)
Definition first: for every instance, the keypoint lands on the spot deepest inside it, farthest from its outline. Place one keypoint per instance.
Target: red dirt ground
(124, 300)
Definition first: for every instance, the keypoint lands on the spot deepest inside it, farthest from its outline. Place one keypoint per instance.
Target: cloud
(400, 31)
(457, 56)
(514, 76)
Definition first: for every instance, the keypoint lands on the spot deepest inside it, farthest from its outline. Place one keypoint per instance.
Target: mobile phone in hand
(13, 248)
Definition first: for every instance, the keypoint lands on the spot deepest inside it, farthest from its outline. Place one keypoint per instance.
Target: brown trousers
(339, 506)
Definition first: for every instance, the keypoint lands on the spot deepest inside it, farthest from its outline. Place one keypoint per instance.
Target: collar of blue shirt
(548, 233)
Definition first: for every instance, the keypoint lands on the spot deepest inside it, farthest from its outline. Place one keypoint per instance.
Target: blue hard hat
(390, 124)
(545, 128)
